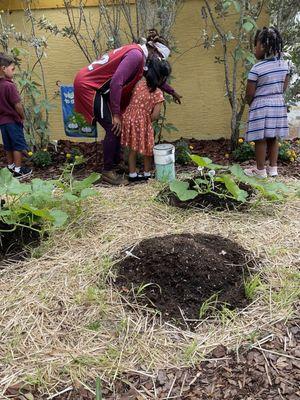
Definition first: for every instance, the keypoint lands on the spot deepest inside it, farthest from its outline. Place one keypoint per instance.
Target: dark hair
(154, 36)
(5, 60)
(271, 39)
(156, 72)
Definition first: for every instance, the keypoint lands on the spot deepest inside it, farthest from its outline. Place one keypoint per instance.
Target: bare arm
(20, 110)
(168, 89)
(156, 112)
(250, 91)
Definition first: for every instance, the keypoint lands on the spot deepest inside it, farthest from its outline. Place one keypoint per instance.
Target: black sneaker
(11, 169)
(23, 173)
(138, 178)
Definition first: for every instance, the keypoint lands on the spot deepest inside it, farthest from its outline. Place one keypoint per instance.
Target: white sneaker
(256, 173)
(272, 171)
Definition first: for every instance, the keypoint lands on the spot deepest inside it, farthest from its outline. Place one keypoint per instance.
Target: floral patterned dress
(137, 130)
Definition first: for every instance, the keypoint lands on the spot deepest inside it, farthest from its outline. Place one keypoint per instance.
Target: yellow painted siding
(46, 4)
(204, 113)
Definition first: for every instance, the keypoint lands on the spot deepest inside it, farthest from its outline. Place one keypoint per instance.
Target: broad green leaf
(10, 185)
(78, 186)
(88, 192)
(248, 26)
(59, 217)
(43, 213)
(199, 181)
(182, 191)
(237, 171)
(38, 185)
(237, 6)
(232, 187)
(70, 197)
(216, 166)
(201, 161)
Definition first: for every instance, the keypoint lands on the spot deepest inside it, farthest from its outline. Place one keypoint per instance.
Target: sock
(11, 166)
(17, 169)
(147, 174)
(132, 175)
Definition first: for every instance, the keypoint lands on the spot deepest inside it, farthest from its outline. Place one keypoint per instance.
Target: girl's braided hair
(153, 36)
(271, 39)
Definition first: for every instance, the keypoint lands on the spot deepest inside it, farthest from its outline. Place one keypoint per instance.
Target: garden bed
(177, 274)
(208, 201)
(218, 150)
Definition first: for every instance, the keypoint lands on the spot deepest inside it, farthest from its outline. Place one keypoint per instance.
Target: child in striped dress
(267, 121)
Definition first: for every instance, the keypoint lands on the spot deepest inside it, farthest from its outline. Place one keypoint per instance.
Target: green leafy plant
(75, 157)
(182, 152)
(40, 205)
(227, 182)
(244, 151)
(286, 152)
(161, 124)
(42, 158)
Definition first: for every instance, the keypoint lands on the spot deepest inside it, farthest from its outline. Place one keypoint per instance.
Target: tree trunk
(235, 129)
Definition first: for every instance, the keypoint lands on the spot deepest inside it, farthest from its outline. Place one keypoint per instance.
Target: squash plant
(226, 182)
(40, 205)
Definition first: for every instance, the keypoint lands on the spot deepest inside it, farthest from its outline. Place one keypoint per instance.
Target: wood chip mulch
(267, 370)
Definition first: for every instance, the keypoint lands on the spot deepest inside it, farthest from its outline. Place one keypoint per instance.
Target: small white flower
(223, 253)
(211, 173)
(200, 169)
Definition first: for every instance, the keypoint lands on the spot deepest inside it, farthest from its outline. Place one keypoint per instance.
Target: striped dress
(268, 112)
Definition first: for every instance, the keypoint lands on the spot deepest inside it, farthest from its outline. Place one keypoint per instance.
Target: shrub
(244, 151)
(42, 158)
(286, 152)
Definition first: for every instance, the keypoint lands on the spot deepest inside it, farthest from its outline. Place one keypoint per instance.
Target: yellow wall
(205, 112)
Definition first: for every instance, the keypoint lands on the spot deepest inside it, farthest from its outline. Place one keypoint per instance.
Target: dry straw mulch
(61, 323)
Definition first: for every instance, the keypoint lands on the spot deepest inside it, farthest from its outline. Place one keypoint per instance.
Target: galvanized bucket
(164, 159)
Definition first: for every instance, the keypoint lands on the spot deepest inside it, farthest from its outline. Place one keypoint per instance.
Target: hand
(117, 125)
(177, 98)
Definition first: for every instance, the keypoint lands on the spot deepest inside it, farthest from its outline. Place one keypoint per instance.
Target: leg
(260, 153)
(17, 158)
(111, 147)
(147, 164)
(272, 146)
(132, 161)
(9, 157)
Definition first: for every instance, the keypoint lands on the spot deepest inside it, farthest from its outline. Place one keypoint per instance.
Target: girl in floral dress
(144, 108)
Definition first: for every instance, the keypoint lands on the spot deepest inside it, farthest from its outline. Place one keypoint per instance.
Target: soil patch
(176, 274)
(15, 244)
(207, 201)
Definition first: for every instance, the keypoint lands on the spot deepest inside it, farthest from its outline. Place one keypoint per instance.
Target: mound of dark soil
(14, 244)
(180, 272)
(207, 201)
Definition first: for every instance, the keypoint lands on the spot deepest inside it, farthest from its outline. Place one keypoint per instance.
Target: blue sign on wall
(75, 125)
